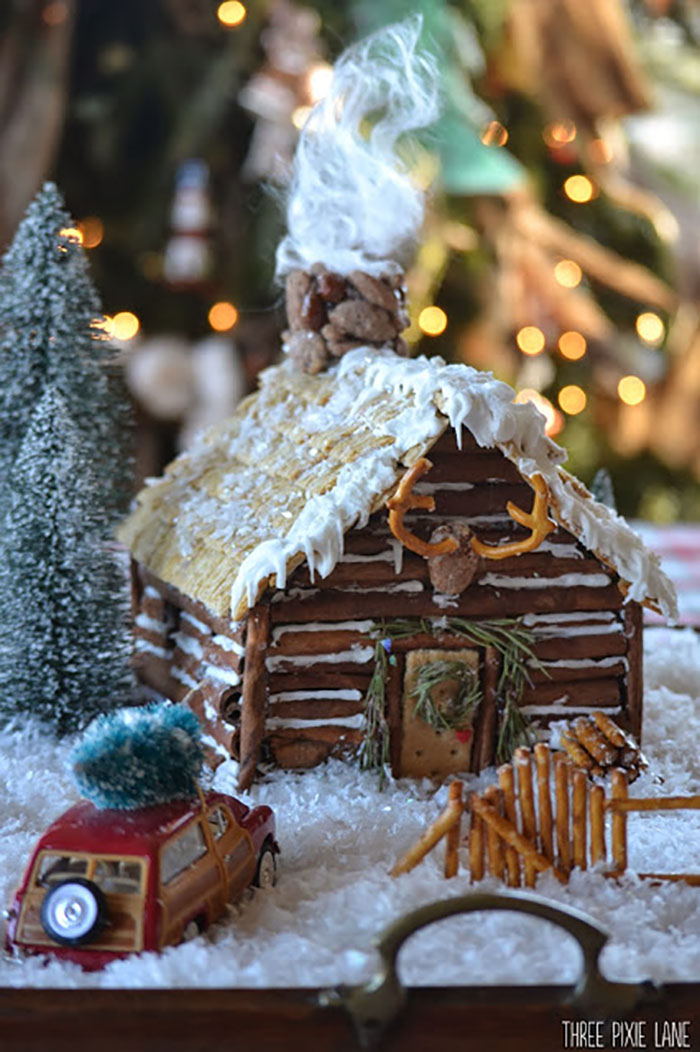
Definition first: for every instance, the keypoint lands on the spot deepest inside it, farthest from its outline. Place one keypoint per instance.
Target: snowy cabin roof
(306, 458)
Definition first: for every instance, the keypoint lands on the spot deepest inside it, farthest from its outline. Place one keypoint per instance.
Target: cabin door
(440, 681)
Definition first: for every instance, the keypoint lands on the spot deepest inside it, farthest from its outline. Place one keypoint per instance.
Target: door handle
(374, 1005)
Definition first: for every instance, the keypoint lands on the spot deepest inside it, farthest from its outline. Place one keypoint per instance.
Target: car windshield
(115, 876)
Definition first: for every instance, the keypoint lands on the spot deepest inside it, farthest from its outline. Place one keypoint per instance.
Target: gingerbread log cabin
(274, 588)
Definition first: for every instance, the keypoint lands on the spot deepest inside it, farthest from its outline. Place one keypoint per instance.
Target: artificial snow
(339, 836)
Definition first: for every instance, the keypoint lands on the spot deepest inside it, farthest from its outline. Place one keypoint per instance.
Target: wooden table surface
(463, 1019)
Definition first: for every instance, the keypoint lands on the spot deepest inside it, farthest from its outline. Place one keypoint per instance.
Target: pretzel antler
(536, 520)
(402, 501)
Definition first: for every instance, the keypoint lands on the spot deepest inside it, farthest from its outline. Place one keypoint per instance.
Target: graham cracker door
(425, 751)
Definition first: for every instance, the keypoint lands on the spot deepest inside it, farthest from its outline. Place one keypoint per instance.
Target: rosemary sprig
(454, 714)
(374, 751)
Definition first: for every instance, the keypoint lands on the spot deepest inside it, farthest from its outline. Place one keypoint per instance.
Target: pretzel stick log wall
(254, 694)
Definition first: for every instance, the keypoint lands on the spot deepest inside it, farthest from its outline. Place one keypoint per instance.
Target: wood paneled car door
(234, 847)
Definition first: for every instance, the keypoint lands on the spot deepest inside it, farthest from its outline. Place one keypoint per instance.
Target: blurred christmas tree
(560, 250)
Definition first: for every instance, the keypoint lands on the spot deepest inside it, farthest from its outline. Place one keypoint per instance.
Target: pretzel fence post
(493, 840)
(597, 816)
(454, 832)
(561, 784)
(578, 818)
(618, 792)
(544, 799)
(527, 807)
(507, 782)
(476, 842)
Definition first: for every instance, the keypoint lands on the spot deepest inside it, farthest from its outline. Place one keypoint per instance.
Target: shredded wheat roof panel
(307, 458)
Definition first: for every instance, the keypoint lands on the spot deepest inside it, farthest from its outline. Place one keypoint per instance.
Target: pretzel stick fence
(514, 840)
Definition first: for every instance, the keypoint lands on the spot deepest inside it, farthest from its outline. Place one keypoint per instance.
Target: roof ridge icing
(353, 431)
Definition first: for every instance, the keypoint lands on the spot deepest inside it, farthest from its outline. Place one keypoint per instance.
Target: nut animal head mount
(330, 314)
(405, 499)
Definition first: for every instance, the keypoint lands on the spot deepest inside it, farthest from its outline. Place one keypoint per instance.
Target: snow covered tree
(64, 643)
(48, 336)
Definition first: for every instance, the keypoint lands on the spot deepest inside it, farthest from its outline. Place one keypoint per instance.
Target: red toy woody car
(102, 884)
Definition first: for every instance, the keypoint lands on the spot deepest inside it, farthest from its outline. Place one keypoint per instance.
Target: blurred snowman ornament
(193, 385)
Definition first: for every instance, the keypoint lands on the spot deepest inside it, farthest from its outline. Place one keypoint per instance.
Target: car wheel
(266, 873)
(73, 912)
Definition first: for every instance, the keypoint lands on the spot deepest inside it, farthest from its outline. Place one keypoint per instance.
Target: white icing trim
(429, 488)
(342, 694)
(556, 709)
(571, 631)
(199, 625)
(357, 654)
(387, 556)
(151, 624)
(183, 677)
(150, 648)
(218, 747)
(229, 644)
(445, 602)
(565, 580)
(223, 675)
(152, 592)
(352, 722)
(189, 645)
(607, 662)
(211, 712)
(322, 626)
(596, 615)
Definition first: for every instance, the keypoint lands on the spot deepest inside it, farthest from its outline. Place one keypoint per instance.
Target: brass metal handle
(376, 1004)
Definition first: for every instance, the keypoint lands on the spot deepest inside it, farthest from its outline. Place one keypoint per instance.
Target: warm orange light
(572, 399)
(553, 418)
(231, 13)
(299, 116)
(105, 324)
(600, 151)
(432, 321)
(650, 327)
(530, 340)
(72, 233)
(319, 80)
(92, 231)
(631, 390)
(572, 345)
(125, 325)
(579, 188)
(223, 316)
(494, 134)
(560, 133)
(568, 273)
(55, 13)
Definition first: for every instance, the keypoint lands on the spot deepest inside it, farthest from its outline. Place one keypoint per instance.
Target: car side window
(53, 869)
(218, 822)
(182, 852)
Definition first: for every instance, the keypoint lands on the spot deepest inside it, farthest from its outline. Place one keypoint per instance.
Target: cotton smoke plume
(352, 204)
